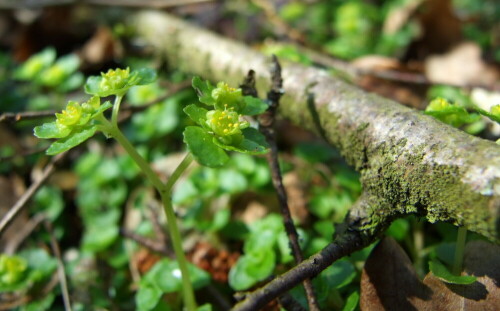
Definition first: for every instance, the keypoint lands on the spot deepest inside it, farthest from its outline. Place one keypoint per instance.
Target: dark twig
(17, 4)
(353, 235)
(14, 210)
(27, 115)
(60, 266)
(151, 244)
(13, 243)
(266, 125)
(126, 110)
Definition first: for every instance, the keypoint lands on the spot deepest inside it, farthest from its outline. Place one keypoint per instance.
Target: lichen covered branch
(409, 162)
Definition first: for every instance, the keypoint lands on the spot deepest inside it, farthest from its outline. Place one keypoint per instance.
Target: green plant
(218, 129)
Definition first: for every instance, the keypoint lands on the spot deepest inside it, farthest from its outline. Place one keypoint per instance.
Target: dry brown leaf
(462, 66)
(482, 259)
(440, 29)
(101, 48)
(389, 281)
(399, 16)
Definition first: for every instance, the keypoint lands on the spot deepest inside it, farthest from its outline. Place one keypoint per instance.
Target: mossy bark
(409, 162)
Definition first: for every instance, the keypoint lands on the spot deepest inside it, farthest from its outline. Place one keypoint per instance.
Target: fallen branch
(410, 163)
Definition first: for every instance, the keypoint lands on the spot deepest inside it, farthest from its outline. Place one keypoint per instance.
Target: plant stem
(165, 191)
(116, 108)
(138, 159)
(459, 250)
(178, 172)
(187, 288)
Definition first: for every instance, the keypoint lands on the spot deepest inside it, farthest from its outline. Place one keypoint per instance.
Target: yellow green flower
(12, 269)
(227, 98)
(225, 122)
(118, 81)
(70, 116)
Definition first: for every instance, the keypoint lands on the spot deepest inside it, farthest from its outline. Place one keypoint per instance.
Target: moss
(404, 184)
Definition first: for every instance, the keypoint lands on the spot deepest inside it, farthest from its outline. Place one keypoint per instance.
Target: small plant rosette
(73, 125)
(118, 81)
(223, 128)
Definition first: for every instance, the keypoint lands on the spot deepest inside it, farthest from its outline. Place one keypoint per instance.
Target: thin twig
(27, 115)
(60, 266)
(146, 242)
(266, 125)
(21, 235)
(17, 4)
(126, 109)
(14, 210)
(352, 236)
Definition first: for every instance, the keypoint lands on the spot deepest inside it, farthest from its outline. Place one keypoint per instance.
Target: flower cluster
(228, 98)
(222, 128)
(12, 269)
(77, 122)
(118, 81)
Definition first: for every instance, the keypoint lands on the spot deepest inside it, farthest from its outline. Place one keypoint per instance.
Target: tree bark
(409, 163)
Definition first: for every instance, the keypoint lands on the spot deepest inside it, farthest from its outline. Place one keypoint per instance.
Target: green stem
(178, 172)
(116, 108)
(459, 250)
(187, 288)
(165, 191)
(138, 159)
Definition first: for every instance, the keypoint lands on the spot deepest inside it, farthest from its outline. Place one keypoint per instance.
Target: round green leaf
(204, 90)
(201, 145)
(351, 302)
(147, 296)
(50, 130)
(146, 75)
(71, 141)
(339, 274)
(253, 143)
(254, 106)
(440, 271)
(195, 113)
(252, 268)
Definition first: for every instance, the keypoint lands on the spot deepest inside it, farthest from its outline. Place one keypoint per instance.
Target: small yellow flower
(71, 115)
(225, 123)
(114, 79)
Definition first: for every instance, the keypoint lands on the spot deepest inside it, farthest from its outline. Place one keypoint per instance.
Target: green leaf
(49, 201)
(146, 75)
(232, 181)
(253, 106)
(71, 141)
(351, 302)
(148, 296)
(197, 114)
(490, 115)
(103, 107)
(35, 64)
(40, 264)
(251, 268)
(204, 90)
(253, 143)
(339, 274)
(41, 304)
(92, 86)
(205, 307)
(71, 83)
(201, 145)
(398, 229)
(50, 130)
(166, 275)
(440, 271)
